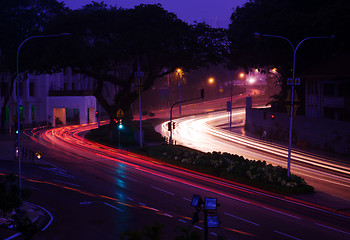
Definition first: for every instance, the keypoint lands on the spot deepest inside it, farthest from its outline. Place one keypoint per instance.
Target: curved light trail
(207, 133)
(257, 204)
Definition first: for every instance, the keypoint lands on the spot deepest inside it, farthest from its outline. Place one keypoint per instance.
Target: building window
(31, 89)
(4, 89)
(329, 90)
(344, 89)
(33, 112)
(20, 89)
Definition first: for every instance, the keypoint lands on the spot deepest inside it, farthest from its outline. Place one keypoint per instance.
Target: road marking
(286, 235)
(76, 185)
(167, 214)
(141, 203)
(162, 190)
(242, 219)
(198, 227)
(13, 236)
(213, 233)
(130, 199)
(286, 214)
(182, 220)
(112, 206)
(332, 228)
(187, 199)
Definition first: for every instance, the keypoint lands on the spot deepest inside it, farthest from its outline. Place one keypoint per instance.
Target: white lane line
(198, 227)
(332, 228)
(213, 233)
(286, 214)
(13, 236)
(113, 206)
(130, 199)
(187, 199)
(168, 215)
(162, 190)
(286, 235)
(241, 219)
(76, 185)
(141, 203)
(182, 220)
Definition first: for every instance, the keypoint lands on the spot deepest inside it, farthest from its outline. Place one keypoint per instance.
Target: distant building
(326, 124)
(327, 94)
(52, 99)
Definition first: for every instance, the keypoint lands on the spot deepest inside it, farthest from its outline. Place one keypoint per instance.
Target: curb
(42, 221)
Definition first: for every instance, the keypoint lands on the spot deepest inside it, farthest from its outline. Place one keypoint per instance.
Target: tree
(107, 44)
(295, 20)
(19, 20)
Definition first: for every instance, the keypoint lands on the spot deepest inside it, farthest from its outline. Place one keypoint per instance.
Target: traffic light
(272, 116)
(120, 126)
(96, 114)
(169, 126)
(173, 125)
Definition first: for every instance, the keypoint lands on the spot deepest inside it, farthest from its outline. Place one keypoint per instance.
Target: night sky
(215, 13)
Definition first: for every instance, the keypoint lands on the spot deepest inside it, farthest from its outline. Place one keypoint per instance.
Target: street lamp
(18, 104)
(180, 74)
(292, 83)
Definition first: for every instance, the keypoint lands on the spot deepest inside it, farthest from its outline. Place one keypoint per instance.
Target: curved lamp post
(293, 82)
(18, 105)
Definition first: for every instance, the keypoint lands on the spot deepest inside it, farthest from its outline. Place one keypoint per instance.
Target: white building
(59, 98)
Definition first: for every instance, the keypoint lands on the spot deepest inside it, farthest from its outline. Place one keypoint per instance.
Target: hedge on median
(232, 166)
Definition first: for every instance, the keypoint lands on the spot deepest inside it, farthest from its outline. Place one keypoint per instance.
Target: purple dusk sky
(216, 13)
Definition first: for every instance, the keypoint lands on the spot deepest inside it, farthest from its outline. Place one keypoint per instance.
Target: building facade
(51, 99)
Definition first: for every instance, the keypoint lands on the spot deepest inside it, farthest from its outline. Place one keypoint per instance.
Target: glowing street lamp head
(211, 80)
(251, 80)
(241, 75)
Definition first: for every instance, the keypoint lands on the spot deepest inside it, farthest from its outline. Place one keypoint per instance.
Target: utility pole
(139, 75)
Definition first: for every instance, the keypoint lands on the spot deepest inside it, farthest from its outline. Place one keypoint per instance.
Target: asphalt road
(208, 132)
(95, 192)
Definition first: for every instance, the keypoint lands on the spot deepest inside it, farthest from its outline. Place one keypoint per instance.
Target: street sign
(289, 81)
(120, 113)
(297, 81)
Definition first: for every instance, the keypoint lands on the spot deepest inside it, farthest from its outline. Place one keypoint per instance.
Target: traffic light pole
(171, 113)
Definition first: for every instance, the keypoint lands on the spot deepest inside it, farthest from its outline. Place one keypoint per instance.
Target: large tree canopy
(107, 43)
(294, 20)
(19, 20)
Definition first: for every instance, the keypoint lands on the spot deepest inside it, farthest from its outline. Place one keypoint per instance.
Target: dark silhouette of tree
(295, 20)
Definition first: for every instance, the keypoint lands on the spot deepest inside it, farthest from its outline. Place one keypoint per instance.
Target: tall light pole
(18, 104)
(292, 83)
(180, 74)
(139, 75)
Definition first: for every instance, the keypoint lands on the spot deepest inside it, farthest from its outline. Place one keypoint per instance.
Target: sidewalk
(35, 213)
